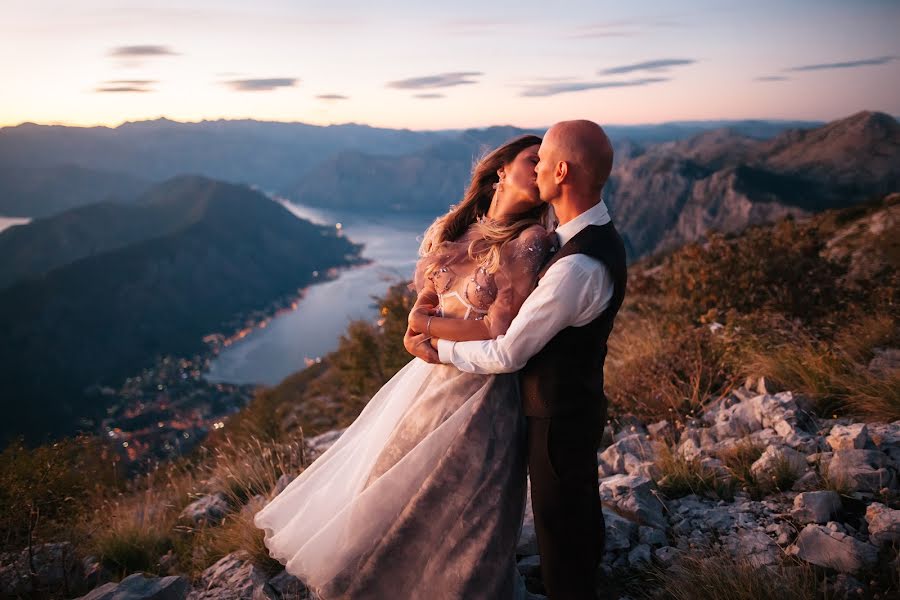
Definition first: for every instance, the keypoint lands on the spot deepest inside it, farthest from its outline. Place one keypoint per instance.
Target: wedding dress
(423, 495)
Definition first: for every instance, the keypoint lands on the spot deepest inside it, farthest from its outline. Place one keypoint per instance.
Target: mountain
(227, 250)
(284, 158)
(675, 192)
(30, 191)
(427, 181)
(51, 242)
(269, 154)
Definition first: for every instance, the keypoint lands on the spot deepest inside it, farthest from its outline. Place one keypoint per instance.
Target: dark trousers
(565, 496)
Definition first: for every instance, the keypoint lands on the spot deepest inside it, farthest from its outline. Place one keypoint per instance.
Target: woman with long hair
(423, 495)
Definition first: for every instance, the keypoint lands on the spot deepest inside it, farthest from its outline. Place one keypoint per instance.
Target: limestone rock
(233, 577)
(209, 510)
(848, 437)
(55, 565)
(773, 455)
(138, 587)
(862, 470)
(821, 546)
(633, 495)
(816, 507)
(884, 524)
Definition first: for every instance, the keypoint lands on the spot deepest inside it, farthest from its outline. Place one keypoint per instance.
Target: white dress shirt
(573, 292)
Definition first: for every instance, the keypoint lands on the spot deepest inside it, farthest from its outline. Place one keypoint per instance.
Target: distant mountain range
(116, 285)
(48, 168)
(675, 192)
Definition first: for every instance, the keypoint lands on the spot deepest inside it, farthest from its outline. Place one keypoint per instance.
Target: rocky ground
(840, 513)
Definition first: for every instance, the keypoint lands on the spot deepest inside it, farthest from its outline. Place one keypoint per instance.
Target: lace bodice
(467, 291)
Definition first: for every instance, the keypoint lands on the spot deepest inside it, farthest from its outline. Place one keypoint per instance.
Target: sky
(446, 65)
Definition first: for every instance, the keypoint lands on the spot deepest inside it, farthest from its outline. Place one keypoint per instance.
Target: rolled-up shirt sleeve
(567, 294)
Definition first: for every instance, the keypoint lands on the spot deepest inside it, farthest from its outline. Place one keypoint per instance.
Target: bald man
(558, 342)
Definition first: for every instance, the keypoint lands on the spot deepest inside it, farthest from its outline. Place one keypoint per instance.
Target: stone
(652, 536)
(848, 437)
(631, 449)
(883, 524)
(55, 564)
(233, 577)
(666, 555)
(138, 587)
(634, 495)
(619, 531)
(639, 554)
(807, 482)
(820, 546)
(282, 483)
(318, 445)
(861, 470)
(816, 507)
(766, 464)
(208, 510)
(287, 586)
(753, 546)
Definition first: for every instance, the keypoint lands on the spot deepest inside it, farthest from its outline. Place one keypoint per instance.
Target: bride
(423, 495)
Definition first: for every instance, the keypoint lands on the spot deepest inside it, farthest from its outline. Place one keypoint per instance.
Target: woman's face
(519, 183)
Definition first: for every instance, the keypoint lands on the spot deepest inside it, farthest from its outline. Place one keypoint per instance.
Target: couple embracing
(423, 496)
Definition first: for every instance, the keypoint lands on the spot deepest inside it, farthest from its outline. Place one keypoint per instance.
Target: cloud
(260, 85)
(331, 97)
(771, 78)
(435, 81)
(851, 64)
(662, 64)
(552, 89)
(122, 88)
(141, 51)
(126, 85)
(428, 96)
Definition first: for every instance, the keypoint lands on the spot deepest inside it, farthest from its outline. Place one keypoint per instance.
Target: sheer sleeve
(520, 262)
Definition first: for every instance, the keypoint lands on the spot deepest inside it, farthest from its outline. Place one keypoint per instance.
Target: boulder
(816, 507)
(848, 437)
(826, 548)
(233, 577)
(884, 524)
(766, 464)
(861, 470)
(139, 587)
(55, 564)
(634, 495)
(620, 532)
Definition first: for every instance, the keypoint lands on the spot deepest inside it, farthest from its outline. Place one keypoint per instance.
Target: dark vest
(566, 376)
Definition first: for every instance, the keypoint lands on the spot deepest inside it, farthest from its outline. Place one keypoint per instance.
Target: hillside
(98, 319)
(39, 191)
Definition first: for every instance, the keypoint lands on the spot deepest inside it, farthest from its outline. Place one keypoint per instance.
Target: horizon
(449, 129)
(432, 68)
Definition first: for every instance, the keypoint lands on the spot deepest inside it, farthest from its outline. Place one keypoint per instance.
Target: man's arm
(569, 293)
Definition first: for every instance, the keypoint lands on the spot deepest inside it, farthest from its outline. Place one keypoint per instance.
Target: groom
(558, 343)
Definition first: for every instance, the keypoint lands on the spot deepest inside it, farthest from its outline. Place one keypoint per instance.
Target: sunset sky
(425, 65)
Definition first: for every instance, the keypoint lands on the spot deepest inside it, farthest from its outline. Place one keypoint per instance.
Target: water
(7, 222)
(269, 354)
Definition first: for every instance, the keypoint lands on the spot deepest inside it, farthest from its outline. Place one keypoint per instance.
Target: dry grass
(658, 370)
(738, 459)
(835, 373)
(709, 576)
(680, 477)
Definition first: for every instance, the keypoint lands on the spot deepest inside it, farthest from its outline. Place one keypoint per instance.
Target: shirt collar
(595, 215)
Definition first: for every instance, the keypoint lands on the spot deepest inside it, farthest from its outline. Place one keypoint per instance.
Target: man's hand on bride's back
(418, 345)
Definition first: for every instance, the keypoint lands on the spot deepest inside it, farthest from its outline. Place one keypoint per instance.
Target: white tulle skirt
(422, 496)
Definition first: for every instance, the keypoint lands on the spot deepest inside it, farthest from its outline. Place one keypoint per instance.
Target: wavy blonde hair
(485, 249)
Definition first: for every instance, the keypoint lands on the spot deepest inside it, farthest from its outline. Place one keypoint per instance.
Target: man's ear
(562, 170)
